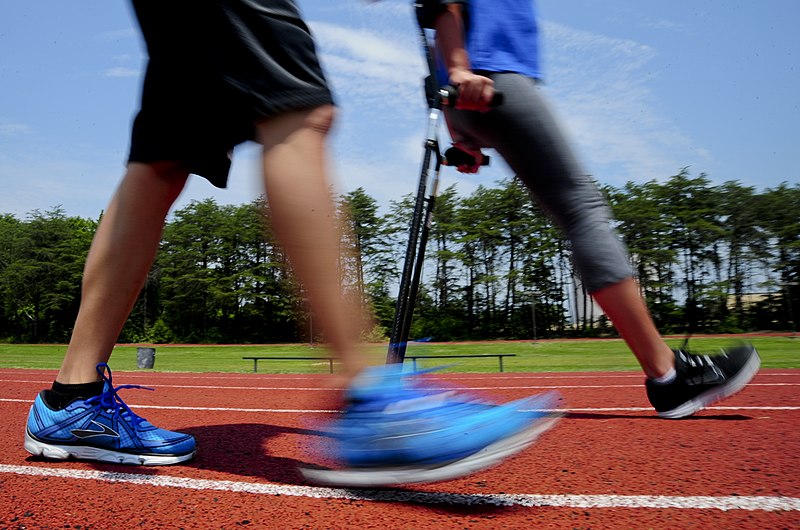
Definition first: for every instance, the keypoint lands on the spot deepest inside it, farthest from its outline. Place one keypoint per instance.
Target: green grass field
(542, 356)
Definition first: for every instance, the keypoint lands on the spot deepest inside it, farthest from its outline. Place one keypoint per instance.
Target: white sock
(666, 378)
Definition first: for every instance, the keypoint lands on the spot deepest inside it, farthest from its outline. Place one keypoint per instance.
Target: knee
(168, 170)
(320, 119)
(310, 124)
(166, 177)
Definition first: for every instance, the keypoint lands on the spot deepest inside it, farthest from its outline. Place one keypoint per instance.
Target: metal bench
(498, 355)
(271, 358)
(413, 359)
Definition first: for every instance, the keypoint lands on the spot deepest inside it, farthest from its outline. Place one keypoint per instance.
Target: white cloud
(119, 34)
(602, 87)
(372, 67)
(122, 71)
(14, 129)
(365, 45)
(663, 24)
(125, 58)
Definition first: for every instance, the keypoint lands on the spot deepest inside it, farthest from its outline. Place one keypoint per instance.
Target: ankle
(60, 395)
(666, 378)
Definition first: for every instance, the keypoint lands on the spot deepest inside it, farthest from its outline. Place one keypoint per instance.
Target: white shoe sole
(487, 457)
(734, 385)
(64, 452)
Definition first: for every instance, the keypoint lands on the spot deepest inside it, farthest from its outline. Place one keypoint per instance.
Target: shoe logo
(710, 376)
(88, 433)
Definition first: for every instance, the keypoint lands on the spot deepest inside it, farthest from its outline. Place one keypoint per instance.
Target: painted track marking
(723, 503)
(333, 389)
(333, 411)
(316, 377)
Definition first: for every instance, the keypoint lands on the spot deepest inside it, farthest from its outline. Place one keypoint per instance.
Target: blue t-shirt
(502, 36)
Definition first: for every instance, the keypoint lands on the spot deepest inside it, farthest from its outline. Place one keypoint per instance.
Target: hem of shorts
(262, 108)
(598, 286)
(216, 179)
(277, 103)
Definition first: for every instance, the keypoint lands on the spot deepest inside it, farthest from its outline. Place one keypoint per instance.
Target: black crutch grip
(448, 95)
(457, 157)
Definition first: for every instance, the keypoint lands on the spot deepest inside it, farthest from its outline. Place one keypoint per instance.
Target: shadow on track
(239, 449)
(244, 449)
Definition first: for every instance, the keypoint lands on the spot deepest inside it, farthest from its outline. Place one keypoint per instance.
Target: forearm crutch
(423, 206)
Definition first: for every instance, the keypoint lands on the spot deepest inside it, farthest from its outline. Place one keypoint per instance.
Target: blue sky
(643, 88)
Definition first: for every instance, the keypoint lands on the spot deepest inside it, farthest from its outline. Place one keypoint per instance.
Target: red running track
(610, 463)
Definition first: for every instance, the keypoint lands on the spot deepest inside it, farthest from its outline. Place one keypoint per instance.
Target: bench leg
(330, 364)
(501, 363)
(255, 365)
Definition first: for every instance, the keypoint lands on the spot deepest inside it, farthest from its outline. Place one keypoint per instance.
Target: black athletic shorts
(216, 68)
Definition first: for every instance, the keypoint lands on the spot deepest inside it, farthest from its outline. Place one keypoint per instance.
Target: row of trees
(719, 258)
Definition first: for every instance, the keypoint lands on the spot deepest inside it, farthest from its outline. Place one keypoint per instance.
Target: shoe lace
(110, 400)
(695, 360)
(699, 363)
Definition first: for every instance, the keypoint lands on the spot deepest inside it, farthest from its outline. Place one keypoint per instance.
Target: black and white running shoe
(702, 380)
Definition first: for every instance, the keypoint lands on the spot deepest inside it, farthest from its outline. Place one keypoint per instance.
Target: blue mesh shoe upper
(106, 422)
(393, 420)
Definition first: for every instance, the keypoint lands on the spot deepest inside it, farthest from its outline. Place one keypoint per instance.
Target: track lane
(595, 452)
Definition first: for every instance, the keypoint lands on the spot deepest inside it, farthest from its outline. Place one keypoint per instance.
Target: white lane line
(456, 386)
(317, 377)
(333, 411)
(150, 376)
(723, 503)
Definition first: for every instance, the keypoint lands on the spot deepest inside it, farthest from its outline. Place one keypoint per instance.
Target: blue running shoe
(396, 431)
(103, 428)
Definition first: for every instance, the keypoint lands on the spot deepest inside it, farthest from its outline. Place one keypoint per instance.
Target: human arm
(475, 92)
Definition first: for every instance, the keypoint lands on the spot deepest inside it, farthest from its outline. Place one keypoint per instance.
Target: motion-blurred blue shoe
(396, 431)
(102, 428)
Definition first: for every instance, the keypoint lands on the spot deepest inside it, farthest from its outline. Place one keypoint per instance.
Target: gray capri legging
(525, 133)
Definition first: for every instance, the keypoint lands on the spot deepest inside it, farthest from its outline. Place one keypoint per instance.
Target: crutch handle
(448, 95)
(457, 157)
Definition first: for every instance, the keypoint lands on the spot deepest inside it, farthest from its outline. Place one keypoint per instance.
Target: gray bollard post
(145, 357)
